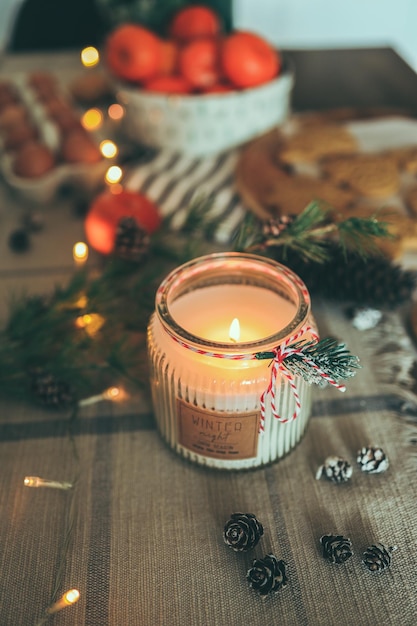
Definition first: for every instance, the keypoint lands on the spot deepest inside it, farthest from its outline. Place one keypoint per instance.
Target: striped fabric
(173, 180)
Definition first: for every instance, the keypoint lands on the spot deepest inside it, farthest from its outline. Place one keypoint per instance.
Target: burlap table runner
(140, 533)
(142, 529)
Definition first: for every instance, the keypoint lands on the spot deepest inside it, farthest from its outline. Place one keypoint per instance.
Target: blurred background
(46, 24)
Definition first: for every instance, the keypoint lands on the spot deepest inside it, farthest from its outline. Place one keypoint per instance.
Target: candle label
(218, 434)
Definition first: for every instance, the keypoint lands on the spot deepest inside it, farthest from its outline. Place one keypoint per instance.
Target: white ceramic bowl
(204, 124)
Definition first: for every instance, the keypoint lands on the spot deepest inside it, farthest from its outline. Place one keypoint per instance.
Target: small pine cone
(377, 557)
(335, 469)
(267, 575)
(336, 548)
(50, 391)
(242, 531)
(372, 460)
(275, 226)
(131, 241)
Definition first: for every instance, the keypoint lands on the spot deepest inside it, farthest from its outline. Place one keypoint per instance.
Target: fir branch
(310, 233)
(311, 360)
(359, 234)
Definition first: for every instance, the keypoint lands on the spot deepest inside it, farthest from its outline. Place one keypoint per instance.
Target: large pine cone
(336, 548)
(242, 531)
(373, 281)
(267, 575)
(377, 557)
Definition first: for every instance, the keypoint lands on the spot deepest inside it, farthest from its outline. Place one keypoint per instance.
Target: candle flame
(234, 330)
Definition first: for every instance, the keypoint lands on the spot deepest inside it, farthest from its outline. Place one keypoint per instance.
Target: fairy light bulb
(108, 149)
(90, 56)
(37, 481)
(69, 598)
(80, 252)
(114, 394)
(92, 119)
(113, 174)
(83, 320)
(90, 322)
(115, 112)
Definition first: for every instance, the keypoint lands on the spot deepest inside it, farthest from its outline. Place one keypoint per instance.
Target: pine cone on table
(377, 557)
(51, 392)
(267, 575)
(131, 240)
(374, 281)
(242, 532)
(336, 548)
(372, 460)
(335, 469)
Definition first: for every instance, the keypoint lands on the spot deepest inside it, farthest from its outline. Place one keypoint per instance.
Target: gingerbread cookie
(411, 200)
(294, 193)
(314, 142)
(406, 158)
(369, 175)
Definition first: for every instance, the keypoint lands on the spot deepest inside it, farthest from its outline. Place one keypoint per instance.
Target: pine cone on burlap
(50, 391)
(131, 240)
(336, 548)
(267, 575)
(242, 532)
(372, 459)
(377, 557)
(374, 281)
(335, 469)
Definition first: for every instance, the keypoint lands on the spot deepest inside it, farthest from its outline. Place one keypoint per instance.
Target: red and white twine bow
(281, 353)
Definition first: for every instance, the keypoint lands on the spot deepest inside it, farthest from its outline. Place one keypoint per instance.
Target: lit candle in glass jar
(208, 386)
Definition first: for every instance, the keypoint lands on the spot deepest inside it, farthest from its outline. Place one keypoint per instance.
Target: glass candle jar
(213, 397)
